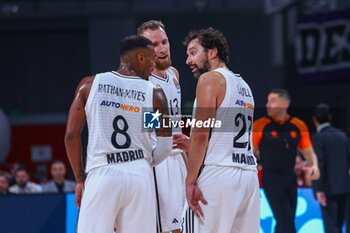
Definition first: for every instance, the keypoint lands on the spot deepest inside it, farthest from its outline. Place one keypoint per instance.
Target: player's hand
(194, 195)
(321, 197)
(78, 193)
(314, 172)
(181, 141)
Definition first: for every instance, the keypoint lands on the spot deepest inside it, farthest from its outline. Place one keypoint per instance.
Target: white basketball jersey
(172, 90)
(115, 120)
(231, 144)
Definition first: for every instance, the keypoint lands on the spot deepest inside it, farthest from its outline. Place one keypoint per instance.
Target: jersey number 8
(121, 131)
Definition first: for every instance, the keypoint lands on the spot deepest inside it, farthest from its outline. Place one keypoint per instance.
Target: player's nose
(189, 61)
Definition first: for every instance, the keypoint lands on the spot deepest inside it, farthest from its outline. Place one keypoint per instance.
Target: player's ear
(140, 57)
(213, 53)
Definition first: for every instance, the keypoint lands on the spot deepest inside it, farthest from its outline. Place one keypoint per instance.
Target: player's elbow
(70, 136)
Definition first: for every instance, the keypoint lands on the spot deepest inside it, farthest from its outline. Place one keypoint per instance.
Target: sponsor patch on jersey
(244, 104)
(124, 107)
(176, 83)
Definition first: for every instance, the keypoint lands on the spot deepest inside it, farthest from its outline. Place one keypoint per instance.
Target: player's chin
(163, 64)
(197, 74)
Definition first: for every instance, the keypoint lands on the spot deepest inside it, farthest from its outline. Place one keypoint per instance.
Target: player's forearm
(198, 146)
(74, 150)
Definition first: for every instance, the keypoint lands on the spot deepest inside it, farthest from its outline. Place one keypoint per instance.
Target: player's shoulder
(211, 80)
(88, 79)
(175, 71)
(85, 84)
(207, 80)
(211, 76)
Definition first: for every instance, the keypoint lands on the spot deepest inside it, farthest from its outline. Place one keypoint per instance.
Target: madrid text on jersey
(122, 92)
(243, 158)
(125, 156)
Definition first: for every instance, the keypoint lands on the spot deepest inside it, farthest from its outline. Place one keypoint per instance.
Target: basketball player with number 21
(222, 187)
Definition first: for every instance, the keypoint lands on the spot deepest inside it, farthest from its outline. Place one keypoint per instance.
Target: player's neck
(217, 64)
(159, 73)
(126, 70)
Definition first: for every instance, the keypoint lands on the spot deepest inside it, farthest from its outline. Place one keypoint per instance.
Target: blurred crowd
(19, 180)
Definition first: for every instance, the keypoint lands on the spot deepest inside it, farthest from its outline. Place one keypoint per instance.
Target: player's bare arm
(311, 158)
(160, 103)
(208, 96)
(164, 135)
(72, 139)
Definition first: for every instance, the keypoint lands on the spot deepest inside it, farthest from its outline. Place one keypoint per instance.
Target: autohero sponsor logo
(154, 120)
(124, 107)
(244, 104)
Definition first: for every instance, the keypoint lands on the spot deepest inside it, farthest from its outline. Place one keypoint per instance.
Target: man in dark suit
(332, 190)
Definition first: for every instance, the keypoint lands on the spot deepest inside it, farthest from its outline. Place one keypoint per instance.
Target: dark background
(47, 47)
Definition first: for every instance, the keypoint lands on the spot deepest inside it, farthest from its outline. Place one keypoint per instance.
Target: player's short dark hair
(211, 38)
(322, 113)
(283, 93)
(132, 42)
(150, 24)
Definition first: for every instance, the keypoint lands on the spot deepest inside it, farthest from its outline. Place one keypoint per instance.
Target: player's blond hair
(151, 24)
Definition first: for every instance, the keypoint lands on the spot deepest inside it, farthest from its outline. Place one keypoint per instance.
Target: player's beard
(202, 70)
(163, 65)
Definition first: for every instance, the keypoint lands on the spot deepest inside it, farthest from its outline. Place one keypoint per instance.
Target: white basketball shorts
(170, 192)
(121, 194)
(233, 202)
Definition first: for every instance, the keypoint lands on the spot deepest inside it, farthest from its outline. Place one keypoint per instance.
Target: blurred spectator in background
(332, 190)
(58, 184)
(4, 184)
(277, 139)
(23, 184)
(301, 171)
(15, 166)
